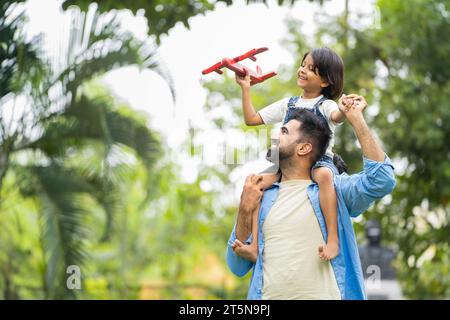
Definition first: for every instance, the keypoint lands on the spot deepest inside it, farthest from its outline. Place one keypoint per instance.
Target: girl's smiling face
(308, 77)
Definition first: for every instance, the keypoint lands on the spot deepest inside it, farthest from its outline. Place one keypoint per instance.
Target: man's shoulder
(272, 190)
(273, 187)
(269, 196)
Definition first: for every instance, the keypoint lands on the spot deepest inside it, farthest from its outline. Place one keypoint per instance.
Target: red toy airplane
(232, 64)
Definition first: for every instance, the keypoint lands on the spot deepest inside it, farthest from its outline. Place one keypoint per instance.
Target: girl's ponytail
(340, 163)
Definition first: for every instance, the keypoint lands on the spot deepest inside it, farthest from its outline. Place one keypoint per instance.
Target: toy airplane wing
(234, 65)
(215, 68)
(219, 65)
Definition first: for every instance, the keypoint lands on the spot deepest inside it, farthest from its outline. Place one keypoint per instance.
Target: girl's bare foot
(245, 251)
(329, 251)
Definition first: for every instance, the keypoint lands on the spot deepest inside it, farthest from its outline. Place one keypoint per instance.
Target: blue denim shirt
(355, 194)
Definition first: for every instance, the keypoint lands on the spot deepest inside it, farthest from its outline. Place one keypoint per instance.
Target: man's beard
(276, 155)
(272, 155)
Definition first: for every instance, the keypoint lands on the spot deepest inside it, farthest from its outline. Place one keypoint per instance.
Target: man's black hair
(312, 130)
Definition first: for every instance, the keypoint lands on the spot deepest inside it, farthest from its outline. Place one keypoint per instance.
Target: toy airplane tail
(269, 75)
(262, 78)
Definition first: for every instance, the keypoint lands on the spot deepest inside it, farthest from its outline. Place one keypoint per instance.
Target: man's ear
(304, 148)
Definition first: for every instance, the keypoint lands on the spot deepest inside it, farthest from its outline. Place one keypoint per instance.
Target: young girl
(321, 77)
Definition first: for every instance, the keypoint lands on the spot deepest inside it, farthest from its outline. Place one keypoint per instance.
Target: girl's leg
(328, 202)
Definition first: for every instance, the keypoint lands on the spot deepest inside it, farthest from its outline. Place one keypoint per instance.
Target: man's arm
(238, 265)
(370, 147)
(250, 199)
(243, 221)
(377, 180)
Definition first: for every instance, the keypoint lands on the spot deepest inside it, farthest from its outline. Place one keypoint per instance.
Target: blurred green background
(85, 181)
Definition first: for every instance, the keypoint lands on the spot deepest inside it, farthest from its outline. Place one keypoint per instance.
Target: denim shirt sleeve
(374, 182)
(239, 266)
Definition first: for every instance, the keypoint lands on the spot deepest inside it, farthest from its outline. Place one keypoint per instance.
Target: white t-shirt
(276, 112)
(292, 268)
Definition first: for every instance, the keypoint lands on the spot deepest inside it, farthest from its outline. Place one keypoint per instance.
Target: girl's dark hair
(330, 67)
(339, 163)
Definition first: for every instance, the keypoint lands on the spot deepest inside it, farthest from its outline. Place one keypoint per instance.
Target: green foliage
(20, 254)
(161, 15)
(414, 118)
(82, 148)
(16, 54)
(63, 230)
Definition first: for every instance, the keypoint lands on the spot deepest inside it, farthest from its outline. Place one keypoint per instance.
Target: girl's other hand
(346, 102)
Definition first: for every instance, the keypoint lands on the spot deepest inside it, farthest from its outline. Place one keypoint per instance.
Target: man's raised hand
(252, 193)
(352, 106)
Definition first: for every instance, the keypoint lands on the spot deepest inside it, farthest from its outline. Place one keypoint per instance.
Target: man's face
(285, 142)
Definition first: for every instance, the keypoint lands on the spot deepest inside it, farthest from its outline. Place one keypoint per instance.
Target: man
(291, 224)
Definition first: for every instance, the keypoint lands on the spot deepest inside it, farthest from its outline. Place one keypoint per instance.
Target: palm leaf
(79, 126)
(64, 232)
(92, 119)
(70, 121)
(97, 44)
